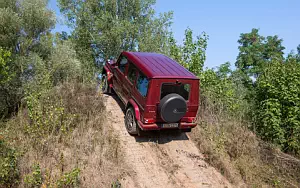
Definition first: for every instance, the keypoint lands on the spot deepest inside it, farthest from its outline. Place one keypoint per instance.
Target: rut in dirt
(161, 159)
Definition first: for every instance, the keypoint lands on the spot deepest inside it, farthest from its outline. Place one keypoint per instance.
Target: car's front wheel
(104, 84)
(130, 122)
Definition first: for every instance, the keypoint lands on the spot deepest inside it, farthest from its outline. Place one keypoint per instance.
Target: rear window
(180, 89)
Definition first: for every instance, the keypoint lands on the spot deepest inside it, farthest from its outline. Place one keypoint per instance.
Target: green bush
(34, 180)
(116, 184)
(5, 61)
(69, 179)
(223, 88)
(278, 105)
(9, 172)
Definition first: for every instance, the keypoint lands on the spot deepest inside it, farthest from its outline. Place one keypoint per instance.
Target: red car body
(152, 72)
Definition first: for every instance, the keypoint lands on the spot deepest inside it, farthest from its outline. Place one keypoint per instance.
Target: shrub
(69, 179)
(116, 184)
(5, 61)
(223, 135)
(34, 180)
(63, 64)
(278, 105)
(9, 172)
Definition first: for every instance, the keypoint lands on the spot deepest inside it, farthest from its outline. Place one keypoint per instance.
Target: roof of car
(156, 65)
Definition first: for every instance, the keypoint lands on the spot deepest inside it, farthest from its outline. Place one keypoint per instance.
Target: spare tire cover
(172, 108)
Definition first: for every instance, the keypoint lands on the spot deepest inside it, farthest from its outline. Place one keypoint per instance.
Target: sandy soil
(161, 159)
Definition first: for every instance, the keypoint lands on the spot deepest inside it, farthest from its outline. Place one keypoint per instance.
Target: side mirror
(112, 63)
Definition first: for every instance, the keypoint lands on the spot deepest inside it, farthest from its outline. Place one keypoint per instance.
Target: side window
(123, 64)
(142, 84)
(131, 73)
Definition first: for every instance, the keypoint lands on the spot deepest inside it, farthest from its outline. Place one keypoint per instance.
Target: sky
(224, 21)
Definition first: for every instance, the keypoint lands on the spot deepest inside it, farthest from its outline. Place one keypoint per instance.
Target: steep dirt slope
(161, 159)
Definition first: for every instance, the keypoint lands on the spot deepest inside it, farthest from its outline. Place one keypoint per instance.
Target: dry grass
(239, 155)
(88, 144)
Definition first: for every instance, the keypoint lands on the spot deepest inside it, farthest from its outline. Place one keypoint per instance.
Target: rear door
(186, 88)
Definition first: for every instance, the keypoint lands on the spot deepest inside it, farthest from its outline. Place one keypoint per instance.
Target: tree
(192, 54)
(24, 30)
(275, 90)
(156, 35)
(104, 28)
(298, 53)
(256, 51)
(10, 26)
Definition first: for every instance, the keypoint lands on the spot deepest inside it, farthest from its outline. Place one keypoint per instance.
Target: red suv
(158, 93)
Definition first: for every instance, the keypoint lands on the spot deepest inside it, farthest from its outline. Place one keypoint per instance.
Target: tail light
(190, 119)
(148, 120)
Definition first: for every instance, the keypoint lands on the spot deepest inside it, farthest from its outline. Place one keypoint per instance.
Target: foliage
(68, 116)
(227, 113)
(104, 28)
(261, 93)
(47, 117)
(155, 35)
(34, 180)
(272, 81)
(9, 172)
(255, 51)
(116, 184)
(63, 66)
(10, 23)
(192, 54)
(278, 104)
(298, 54)
(224, 87)
(23, 23)
(69, 179)
(25, 27)
(5, 73)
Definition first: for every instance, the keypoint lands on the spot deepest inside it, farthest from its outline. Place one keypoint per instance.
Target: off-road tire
(130, 122)
(104, 84)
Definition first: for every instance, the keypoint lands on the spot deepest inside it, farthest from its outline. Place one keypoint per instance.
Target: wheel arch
(108, 72)
(132, 103)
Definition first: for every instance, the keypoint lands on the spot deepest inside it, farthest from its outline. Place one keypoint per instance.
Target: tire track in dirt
(161, 159)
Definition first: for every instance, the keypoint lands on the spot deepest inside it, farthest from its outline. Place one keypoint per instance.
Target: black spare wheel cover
(172, 108)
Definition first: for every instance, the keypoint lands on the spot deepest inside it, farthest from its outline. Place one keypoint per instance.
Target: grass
(64, 141)
(66, 135)
(239, 154)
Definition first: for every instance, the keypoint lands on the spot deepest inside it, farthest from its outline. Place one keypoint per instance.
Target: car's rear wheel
(130, 122)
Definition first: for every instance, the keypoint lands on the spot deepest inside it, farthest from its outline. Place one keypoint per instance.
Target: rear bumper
(154, 126)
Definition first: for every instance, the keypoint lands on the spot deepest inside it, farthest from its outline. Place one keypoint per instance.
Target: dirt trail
(162, 159)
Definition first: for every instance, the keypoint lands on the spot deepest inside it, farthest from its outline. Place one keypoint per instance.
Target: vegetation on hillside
(50, 111)
(240, 108)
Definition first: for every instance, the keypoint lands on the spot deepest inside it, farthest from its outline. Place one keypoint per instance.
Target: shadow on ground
(159, 137)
